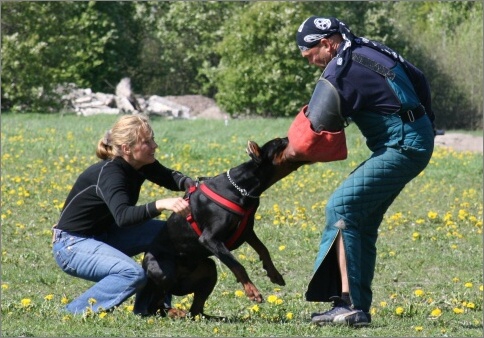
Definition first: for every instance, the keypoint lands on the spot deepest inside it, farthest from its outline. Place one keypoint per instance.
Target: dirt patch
(200, 106)
(460, 142)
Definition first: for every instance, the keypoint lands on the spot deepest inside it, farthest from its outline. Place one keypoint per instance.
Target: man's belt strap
(411, 115)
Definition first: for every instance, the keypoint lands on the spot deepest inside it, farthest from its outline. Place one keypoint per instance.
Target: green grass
(429, 264)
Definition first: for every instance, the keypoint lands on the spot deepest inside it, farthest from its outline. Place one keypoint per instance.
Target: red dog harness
(231, 206)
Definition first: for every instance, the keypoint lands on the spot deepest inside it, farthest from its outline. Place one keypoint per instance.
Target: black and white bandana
(315, 28)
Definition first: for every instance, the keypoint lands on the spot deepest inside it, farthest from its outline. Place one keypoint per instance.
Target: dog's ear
(253, 150)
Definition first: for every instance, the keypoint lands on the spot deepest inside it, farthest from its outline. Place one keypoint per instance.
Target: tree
(45, 44)
(261, 71)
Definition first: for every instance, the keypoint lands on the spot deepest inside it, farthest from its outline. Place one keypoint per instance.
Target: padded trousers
(357, 207)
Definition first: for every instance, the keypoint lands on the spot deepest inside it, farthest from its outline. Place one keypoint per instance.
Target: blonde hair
(128, 129)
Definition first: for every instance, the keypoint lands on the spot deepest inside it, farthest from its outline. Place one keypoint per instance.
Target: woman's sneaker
(341, 313)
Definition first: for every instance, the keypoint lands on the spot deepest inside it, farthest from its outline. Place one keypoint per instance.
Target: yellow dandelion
(26, 302)
(272, 299)
(455, 279)
(66, 318)
(279, 301)
(282, 247)
(418, 328)
(64, 300)
(49, 297)
(432, 215)
(399, 311)
(103, 314)
(255, 308)
(436, 312)
(215, 330)
(239, 293)
(289, 316)
(383, 304)
(458, 310)
(129, 308)
(92, 301)
(415, 236)
(150, 321)
(481, 288)
(419, 293)
(5, 286)
(471, 305)
(468, 285)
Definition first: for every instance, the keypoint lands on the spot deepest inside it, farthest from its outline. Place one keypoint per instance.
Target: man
(389, 100)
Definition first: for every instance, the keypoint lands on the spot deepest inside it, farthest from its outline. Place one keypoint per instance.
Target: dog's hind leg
(149, 299)
(199, 281)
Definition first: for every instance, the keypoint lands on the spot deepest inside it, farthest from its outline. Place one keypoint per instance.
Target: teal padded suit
(401, 143)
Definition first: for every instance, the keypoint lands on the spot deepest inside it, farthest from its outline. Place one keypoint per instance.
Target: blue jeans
(105, 259)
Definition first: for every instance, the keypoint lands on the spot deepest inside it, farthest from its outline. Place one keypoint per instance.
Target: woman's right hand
(175, 204)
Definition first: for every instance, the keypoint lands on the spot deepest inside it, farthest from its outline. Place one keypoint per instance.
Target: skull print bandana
(315, 28)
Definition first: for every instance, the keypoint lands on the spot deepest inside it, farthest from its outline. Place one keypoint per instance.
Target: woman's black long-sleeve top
(107, 193)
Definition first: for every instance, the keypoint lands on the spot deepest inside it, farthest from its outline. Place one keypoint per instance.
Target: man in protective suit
(388, 98)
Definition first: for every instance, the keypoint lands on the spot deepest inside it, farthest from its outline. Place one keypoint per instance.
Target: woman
(101, 227)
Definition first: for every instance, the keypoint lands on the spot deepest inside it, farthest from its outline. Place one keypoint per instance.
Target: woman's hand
(175, 204)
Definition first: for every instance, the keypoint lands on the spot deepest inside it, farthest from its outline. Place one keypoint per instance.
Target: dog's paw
(175, 313)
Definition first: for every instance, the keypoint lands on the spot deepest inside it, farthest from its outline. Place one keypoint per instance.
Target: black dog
(221, 220)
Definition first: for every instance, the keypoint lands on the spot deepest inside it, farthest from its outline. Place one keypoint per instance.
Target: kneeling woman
(101, 227)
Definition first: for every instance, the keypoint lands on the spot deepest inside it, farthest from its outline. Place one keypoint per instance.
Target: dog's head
(271, 151)
(272, 154)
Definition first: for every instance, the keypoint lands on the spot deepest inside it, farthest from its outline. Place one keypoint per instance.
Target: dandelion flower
(239, 293)
(419, 292)
(103, 314)
(255, 308)
(399, 311)
(415, 236)
(64, 300)
(49, 297)
(458, 310)
(383, 304)
(432, 215)
(289, 316)
(468, 285)
(5, 286)
(418, 328)
(215, 330)
(471, 305)
(282, 247)
(26, 302)
(92, 301)
(272, 299)
(436, 312)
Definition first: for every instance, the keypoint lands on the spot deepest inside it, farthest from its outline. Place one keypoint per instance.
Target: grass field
(429, 272)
